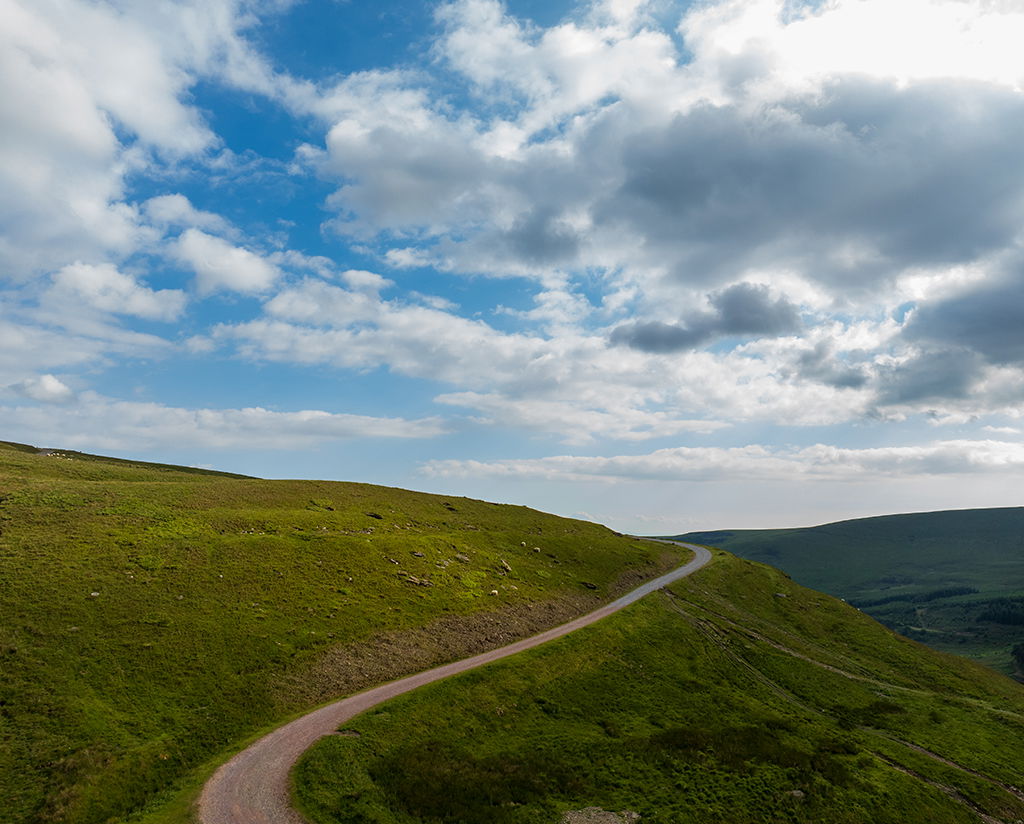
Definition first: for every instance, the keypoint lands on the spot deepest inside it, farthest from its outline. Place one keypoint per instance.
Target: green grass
(740, 697)
(936, 577)
(152, 618)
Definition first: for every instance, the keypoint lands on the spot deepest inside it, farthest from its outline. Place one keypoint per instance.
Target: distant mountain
(953, 580)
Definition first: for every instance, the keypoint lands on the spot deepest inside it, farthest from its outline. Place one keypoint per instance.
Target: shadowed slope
(735, 696)
(953, 580)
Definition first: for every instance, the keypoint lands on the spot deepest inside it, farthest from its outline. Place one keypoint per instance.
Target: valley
(156, 620)
(953, 580)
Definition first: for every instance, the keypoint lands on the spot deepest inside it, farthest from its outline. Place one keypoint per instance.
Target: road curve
(254, 786)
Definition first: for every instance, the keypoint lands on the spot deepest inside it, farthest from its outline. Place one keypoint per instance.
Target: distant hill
(953, 580)
(737, 697)
(71, 454)
(152, 617)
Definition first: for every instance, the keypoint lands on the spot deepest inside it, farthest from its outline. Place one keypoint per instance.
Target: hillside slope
(737, 696)
(153, 617)
(953, 580)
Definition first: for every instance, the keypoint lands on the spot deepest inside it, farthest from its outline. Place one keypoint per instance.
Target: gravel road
(253, 787)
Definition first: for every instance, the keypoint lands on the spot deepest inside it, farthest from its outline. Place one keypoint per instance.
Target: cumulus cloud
(755, 462)
(798, 145)
(222, 266)
(931, 376)
(62, 170)
(649, 182)
(846, 170)
(743, 310)
(98, 422)
(986, 320)
(115, 81)
(820, 363)
(103, 287)
(177, 210)
(569, 382)
(44, 388)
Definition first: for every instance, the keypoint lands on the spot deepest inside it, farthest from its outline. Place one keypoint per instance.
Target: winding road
(254, 786)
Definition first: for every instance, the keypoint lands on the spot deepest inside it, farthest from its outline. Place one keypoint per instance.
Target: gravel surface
(254, 786)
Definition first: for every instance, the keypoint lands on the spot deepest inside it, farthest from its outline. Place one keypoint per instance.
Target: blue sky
(663, 265)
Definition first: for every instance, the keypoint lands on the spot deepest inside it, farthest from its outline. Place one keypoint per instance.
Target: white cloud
(62, 168)
(407, 258)
(73, 340)
(909, 41)
(103, 287)
(575, 422)
(363, 281)
(92, 92)
(220, 265)
(292, 259)
(755, 462)
(859, 157)
(1002, 430)
(45, 389)
(97, 422)
(127, 71)
(177, 210)
(606, 155)
(570, 383)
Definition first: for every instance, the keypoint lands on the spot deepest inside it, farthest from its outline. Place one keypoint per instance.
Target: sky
(663, 265)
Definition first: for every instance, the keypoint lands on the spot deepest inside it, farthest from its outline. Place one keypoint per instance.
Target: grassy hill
(153, 617)
(737, 696)
(953, 580)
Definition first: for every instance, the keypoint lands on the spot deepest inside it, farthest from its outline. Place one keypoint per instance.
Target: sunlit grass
(739, 698)
(152, 618)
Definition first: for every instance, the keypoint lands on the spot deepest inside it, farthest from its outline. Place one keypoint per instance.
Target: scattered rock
(419, 554)
(494, 592)
(374, 515)
(536, 549)
(796, 793)
(781, 595)
(94, 594)
(505, 565)
(463, 558)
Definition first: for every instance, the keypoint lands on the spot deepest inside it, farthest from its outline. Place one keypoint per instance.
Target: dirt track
(253, 787)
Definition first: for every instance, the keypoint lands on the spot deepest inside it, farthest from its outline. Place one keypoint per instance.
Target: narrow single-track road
(254, 786)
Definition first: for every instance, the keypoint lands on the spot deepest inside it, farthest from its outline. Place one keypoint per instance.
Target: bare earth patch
(349, 668)
(595, 815)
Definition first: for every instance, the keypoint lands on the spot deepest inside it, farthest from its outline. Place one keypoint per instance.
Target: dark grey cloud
(820, 364)
(932, 376)
(930, 174)
(988, 320)
(742, 310)
(539, 238)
